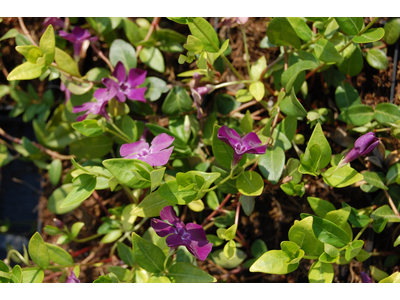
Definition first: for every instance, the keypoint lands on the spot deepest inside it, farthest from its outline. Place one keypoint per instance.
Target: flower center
(240, 147)
(183, 234)
(143, 152)
(123, 86)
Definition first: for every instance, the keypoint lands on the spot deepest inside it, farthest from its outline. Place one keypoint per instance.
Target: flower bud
(363, 145)
(59, 224)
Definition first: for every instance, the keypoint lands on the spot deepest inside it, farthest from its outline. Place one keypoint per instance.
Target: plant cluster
(180, 146)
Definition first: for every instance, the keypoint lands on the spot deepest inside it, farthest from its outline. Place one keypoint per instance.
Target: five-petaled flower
(198, 91)
(250, 143)
(72, 278)
(362, 146)
(125, 87)
(96, 108)
(155, 155)
(191, 235)
(77, 37)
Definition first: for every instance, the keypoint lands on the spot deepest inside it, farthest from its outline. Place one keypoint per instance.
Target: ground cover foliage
(206, 149)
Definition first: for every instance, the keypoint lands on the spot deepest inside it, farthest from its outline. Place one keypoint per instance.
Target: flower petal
(175, 240)
(136, 94)
(160, 158)
(136, 77)
(168, 214)
(80, 33)
(108, 82)
(251, 140)
(201, 252)
(197, 233)
(161, 228)
(67, 36)
(236, 158)
(119, 72)
(229, 136)
(160, 142)
(257, 150)
(120, 96)
(132, 148)
(83, 117)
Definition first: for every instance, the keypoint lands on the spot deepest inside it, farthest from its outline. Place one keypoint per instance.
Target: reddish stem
(217, 210)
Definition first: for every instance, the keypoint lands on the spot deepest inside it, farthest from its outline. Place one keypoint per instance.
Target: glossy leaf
(177, 101)
(374, 179)
(280, 32)
(57, 198)
(292, 167)
(292, 107)
(91, 147)
(16, 275)
(342, 177)
(392, 31)
(257, 89)
(371, 35)
(88, 127)
(111, 236)
(38, 251)
(59, 255)
(387, 113)
(48, 44)
(126, 254)
(156, 177)
(377, 59)
(273, 262)
(182, 272)
(213, 44)
(271, 164)
(147, 255)
(352, 63)
(325, 51)
(319, 206)
(34, 275)
(152, 57)
(290, 75)
(55, 171)
(321, 273)
(80, 193)
(123, 52)
(350, 25)
(155, 87)
(247, 204)
(354, 249)
(303, 235)
(346, 96)
(385, 212)
(220, 259)
(301, 28)
(393, 174)
(66, 62)
(250, 183)
(170, 191)
(357, 115)
(27, 71)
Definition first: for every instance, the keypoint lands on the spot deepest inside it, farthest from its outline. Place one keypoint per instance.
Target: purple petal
(80, 33)
(160, 158)
(236, 158)
(370, 147)
(120, 96)
(104, 94)
(168, 214)
(364, 141)
(201, 252)
(174, 240)
(258, 150)
(251, 140)
(229, 136)
(109, 83)
(119, 72)
(160, 142)
(77, 48)
(136, 94)
(365, 278)
(81, 118)
(132, 148)
(161, 228)
(352, 155)
(67, 36)
(242, 20)
(197, 233)
(136, 77)
(72, 278)
(84, 107)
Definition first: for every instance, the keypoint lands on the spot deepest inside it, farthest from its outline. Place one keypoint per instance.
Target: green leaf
(210, 39)
(121, 273)
(392, 31)
(394, 278)
(257, 89)
(387, 113)
(352, 63)
(302, 234)
(57, 198)
(33, 275)
(13, 32)
(325, 51)
(155, 87)
(321, 273)
(246, 124)
(271, 164)
(320, 207)
(385, 212)
(290, 75)
(374, 179)
(281, 33)
(152, 57)
(247, 204)
(126, 254)
(328, 232)
(342, 177)
(30, 52)
(182, 272)
(48, 44)
(354, 249)
(291, 106)
(292, 167)
(133, 129)
(371, 35)
(273, 262)
(250, 183)
(123, 52)
(222, 152)
(357, 115)
(88, 127)
(38, 251)
(230, 249)
(393, 174)
(346, 96)
(27, 71)
(111, 236)
(151, 206)
(170, 191)
(16, 275)
(228, 187)
(378, 274)
(59, 255)
(350, 26)
(220, 259)
(377, 59)
(91, 147)
(177, 101)
(156, 178)
(147, 255)
(301, 28)
(55, 171)
(66, 62)
(310, 160)
(76, 228)
(363, 255)
(80, 193)
(258, 67)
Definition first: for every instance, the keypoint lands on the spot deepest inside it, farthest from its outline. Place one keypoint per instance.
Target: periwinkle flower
(72, 278)
(242, 20)
(55, 21)
(365, 278)
(191, 235)
(155, 155)
(126, 87)
(250, 143)
(96, 108)
(77, 37)
(198, 91)
(362, 146)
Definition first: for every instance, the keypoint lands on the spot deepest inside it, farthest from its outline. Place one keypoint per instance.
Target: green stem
(246, 48)
(18, 255)
(128, 192)
(139, 225)
(118, 135)
(220, 183)
(362, 230)
(86, 239)
(221, 85)
(121, 239)
(121, 132)
(310, 256)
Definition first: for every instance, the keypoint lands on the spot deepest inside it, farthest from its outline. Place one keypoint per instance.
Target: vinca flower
(191, 235)
(198, 91)
(250, 143)
(365, 278)
(125, 87)
(96, 108)
(55, 21)
(155, 155)
(72, 278)
(362, 146)
(77, 37)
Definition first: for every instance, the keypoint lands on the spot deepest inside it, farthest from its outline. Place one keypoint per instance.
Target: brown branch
(97, 198)
(53, 154)
(153, 25)
(102, 56)
(243, 106)
(26, 32)
(217, 210)
(392, 205)
(3, 68)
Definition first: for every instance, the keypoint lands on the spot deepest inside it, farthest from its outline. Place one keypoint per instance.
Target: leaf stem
(362, 230)
(392, 205)
(92, 237)
(246, 49)
(221, 85)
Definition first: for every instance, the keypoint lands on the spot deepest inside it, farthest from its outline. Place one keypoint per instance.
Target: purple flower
(191, 235)
(365, 278)
(155, 155)
(77, 37)
(250, 143)
(363, 145)
(125, 87)
(56, 22)
(72, 278)
(242, 20)
(67, 92)
(198, 91)
(96, 108)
